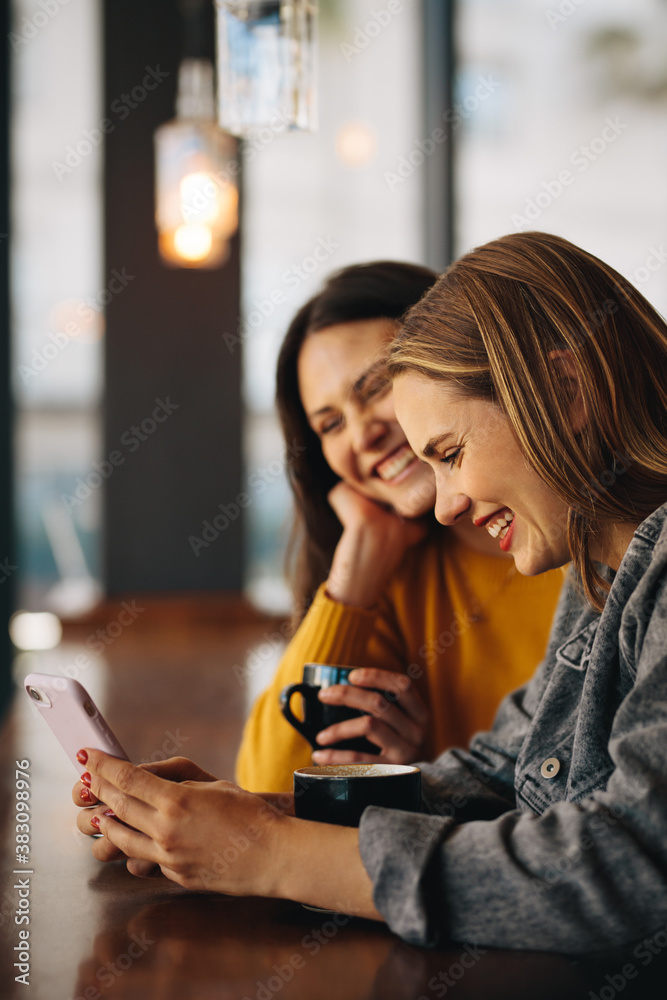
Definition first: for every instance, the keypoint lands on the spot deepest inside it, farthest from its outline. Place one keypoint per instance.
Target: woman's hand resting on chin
(372, 545)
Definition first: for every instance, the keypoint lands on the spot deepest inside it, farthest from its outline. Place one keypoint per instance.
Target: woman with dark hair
(438, 617)
(378, 293)
(531, 377)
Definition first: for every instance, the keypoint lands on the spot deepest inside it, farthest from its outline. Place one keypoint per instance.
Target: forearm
(319, 864)
(574, 880)
(361, 565)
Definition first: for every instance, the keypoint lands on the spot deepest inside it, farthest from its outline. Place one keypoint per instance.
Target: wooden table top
(96, 931)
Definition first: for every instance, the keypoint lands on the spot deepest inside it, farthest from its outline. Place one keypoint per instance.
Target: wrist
(359, 569)
(319, 864)
(283, 858)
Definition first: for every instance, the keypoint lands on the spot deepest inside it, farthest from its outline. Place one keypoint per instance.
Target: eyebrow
(357, 385)
(318, 413)
(431, 446)
(373, 369)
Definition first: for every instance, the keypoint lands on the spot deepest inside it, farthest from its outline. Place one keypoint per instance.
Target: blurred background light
(196, 196)
(35, 630)
(356, 144)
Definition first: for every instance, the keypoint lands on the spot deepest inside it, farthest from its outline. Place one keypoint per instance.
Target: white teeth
(500, 526)
(391, 468)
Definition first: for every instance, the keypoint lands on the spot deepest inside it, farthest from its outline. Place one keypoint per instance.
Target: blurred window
(563, 127)
(313, 204)
(58, 299)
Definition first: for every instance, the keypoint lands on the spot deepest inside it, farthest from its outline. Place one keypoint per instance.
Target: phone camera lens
(34, 693)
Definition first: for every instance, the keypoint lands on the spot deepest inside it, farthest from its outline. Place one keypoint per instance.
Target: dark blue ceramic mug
(318, 716)
(339, 793)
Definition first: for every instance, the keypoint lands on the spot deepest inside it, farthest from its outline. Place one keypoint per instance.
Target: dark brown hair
(493, 325)
(379, 290)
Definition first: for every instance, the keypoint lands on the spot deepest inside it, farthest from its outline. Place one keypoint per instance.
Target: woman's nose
(449, 505)
(366, 430)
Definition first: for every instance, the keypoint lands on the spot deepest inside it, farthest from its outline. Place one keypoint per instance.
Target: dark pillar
(7, 567)
(438, 83)
(164, 342)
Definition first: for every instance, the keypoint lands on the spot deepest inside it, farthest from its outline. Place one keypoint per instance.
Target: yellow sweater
(467, 626)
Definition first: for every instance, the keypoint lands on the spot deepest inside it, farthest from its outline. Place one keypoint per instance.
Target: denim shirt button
(550, 767)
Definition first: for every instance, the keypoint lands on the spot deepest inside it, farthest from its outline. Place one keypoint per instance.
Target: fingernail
(82, 757)
(85, 794)
(96, 821)
(317, 756)
(85, 778)
(324, 693)
(109, 812)
(322, 737)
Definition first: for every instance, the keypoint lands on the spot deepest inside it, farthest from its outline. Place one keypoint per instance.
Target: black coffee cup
(339, 793)
(318, 716)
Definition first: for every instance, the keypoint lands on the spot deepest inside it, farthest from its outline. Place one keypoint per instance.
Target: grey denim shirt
(550, 831)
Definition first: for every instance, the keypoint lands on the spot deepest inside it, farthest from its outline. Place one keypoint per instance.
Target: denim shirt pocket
(576, 652)
(552, 734)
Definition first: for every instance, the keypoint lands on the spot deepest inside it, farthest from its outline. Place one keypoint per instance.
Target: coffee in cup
(339, 793)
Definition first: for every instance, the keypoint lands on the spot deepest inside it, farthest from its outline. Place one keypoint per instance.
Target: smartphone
(72, 715)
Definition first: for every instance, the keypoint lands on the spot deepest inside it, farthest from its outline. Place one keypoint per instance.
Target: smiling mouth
(499, 524)
(394, 464)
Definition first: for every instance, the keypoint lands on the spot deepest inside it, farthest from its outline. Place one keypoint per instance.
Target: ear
(567, 376)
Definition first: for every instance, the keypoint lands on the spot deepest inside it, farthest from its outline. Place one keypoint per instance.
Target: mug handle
(306, 729)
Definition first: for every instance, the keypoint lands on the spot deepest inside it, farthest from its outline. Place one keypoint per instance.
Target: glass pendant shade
(267, 53)
(196, 194)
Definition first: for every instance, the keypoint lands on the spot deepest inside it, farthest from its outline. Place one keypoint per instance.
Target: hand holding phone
(72, 716)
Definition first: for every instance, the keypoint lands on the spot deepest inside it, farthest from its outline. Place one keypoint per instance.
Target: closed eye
(330, 425)
(451, 458)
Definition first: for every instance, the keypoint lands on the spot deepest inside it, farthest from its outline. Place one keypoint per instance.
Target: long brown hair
(494, 325)
(378, 290)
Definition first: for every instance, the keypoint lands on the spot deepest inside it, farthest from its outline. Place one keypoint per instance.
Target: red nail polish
(85, 778)
(85, 795)
(96, 821)
(82, 757)
(110, 812)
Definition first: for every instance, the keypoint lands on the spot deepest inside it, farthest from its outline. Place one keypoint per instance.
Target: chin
(533, 566)
(527, 570)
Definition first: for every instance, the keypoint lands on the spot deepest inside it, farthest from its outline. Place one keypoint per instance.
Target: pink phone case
(72, 716)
